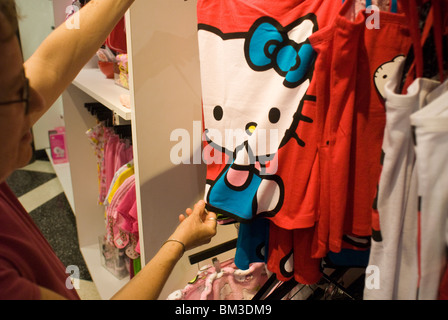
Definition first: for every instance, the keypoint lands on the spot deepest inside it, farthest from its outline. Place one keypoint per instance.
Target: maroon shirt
(27, 260)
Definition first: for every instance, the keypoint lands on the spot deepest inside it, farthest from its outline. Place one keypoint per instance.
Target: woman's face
(15, 124)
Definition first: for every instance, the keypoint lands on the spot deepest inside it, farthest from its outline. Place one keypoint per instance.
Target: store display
(324, 133)
(58, 146)
(121, 73)
(113, 259)
(223, 281)
(116, 180)
(297, 136)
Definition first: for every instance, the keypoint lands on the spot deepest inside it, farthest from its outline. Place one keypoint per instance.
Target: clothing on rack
(409, 246)
(112, 152)
(394, 248)
(223, 282)
(116, 179)
(409, 238)
(124, 199)
(97, 137)
(431, 132)
(121, 217)
(256, 181)
(352, 65)
(309, 106)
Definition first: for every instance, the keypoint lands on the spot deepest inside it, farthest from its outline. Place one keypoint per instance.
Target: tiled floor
(41, 193)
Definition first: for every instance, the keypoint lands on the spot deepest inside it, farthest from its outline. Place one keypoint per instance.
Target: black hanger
(281, 291)
(211, 252)
(266, 288)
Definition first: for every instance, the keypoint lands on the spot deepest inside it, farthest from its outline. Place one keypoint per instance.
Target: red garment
(349, 72)
(290, 255)
(117, 38)
(26, 258)
(297, 165)
(296, 211)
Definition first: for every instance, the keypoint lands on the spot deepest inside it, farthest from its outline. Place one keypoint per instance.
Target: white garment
(395, 257)
(431, 131)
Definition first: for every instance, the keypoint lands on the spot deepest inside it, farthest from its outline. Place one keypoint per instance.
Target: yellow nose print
(250, 127)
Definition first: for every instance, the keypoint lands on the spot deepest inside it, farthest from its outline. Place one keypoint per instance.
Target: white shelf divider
(62, 171)
(93, 82)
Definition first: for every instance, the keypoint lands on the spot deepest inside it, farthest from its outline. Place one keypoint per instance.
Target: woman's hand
(197, 228)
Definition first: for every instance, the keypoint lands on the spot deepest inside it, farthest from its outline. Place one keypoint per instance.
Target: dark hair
(9, 11)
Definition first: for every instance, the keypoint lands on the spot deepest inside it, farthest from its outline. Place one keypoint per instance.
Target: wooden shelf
(93, 82)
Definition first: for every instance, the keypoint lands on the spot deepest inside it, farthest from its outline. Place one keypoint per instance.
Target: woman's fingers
(182, 218)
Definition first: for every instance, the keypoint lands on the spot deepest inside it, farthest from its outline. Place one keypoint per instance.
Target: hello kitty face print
(253, 85)
(385, 71)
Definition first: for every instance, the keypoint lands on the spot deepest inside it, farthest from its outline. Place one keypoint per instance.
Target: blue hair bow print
(269, 46)
(254, 84)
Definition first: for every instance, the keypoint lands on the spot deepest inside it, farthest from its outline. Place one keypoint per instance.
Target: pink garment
(114, 234)
(230, 283)
(110, 149)
(98, 136)
(123, 154)
(129, 153)
(108, 132)
(127, 215)
(111, 153)
(119, 152)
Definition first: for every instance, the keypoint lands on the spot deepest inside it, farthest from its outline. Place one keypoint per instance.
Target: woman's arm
(64, 52)
(197, 229)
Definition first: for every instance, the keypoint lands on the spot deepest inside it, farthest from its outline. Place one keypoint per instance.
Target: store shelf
(62, 171)
(93, 82)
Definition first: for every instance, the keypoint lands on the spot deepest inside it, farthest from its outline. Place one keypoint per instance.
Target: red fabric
(352, 113)
(330, 175)
(26, 259)
(280, 250)
(290, 255)
(307, 269)
(434, 21)
(237, 16)
(117, 38)
(298, 162)
(297, 165)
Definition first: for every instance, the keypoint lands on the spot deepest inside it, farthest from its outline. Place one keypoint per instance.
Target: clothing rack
(106, 116)
(432, 66)
(211, 252)
(101, 112)
(330, 286)
(274, 289)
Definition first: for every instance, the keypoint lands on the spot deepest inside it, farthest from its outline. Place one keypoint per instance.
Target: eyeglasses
(25, 96)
